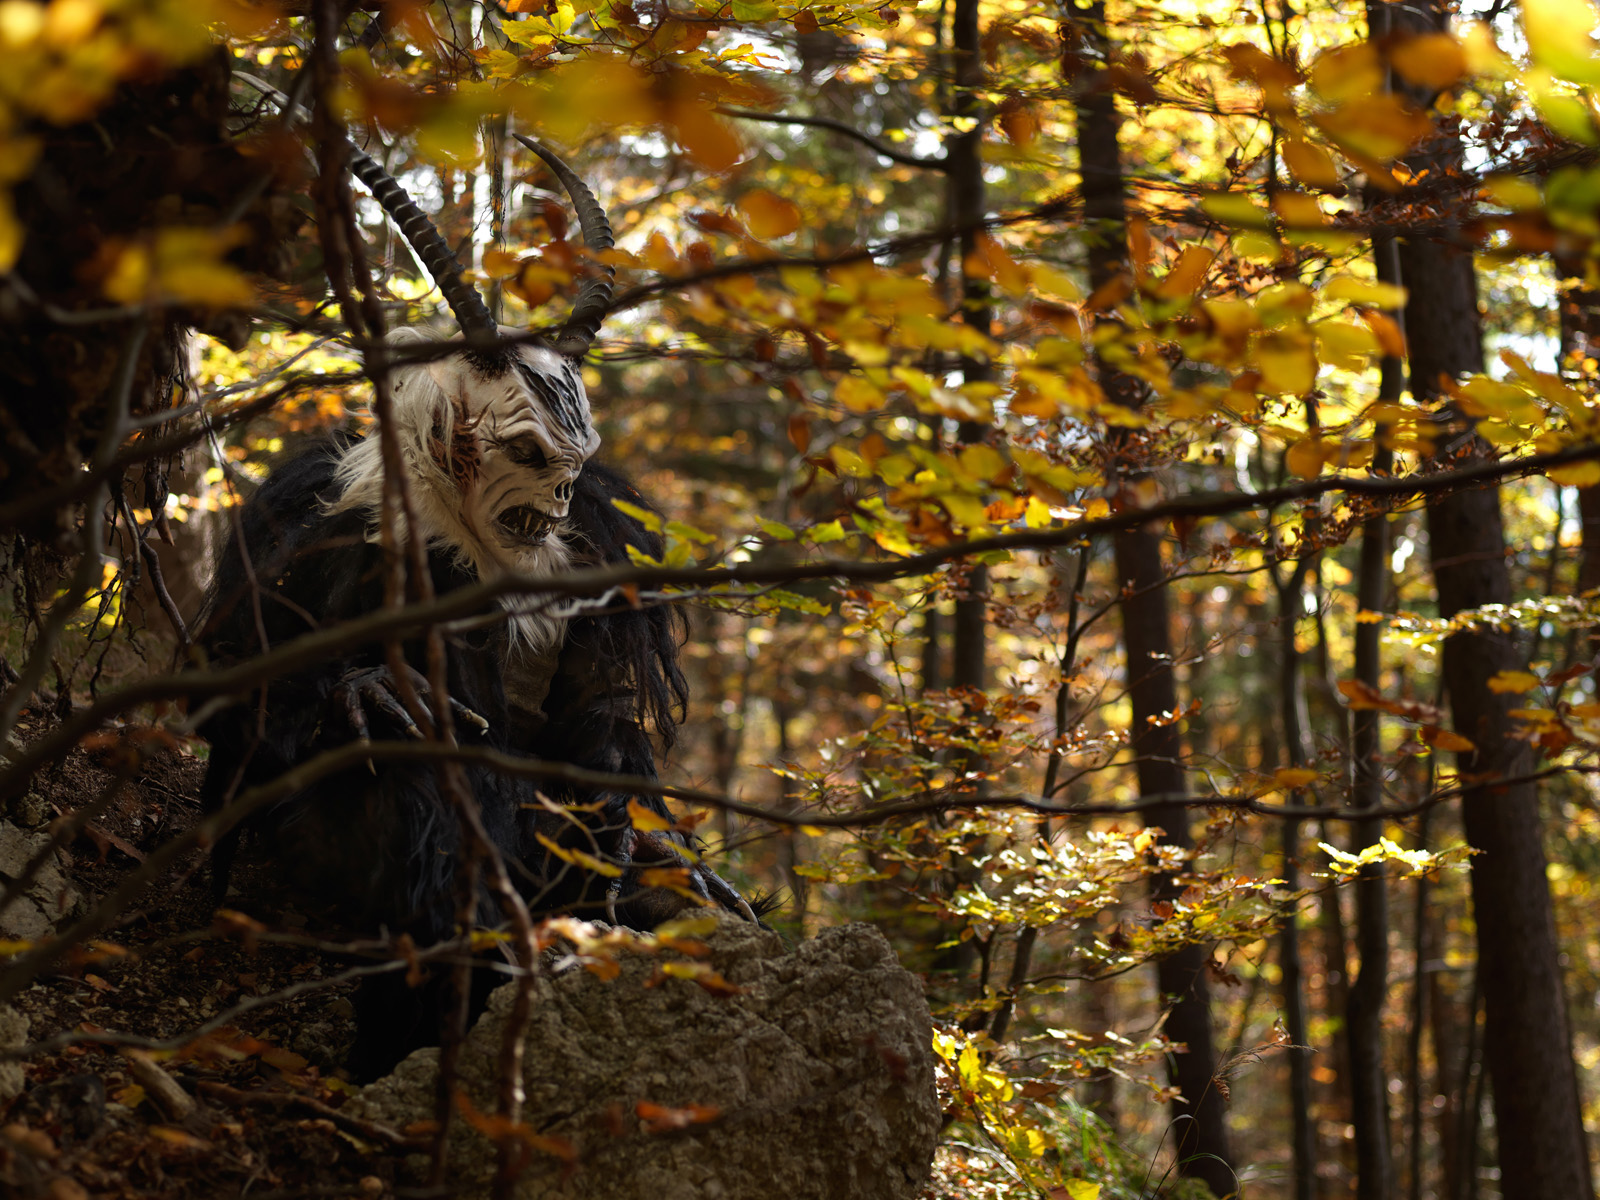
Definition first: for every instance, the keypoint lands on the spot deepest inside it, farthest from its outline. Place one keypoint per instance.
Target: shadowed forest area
(1129, 473)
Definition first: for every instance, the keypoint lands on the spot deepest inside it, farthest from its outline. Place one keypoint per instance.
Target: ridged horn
(594, 295)
(470, 311)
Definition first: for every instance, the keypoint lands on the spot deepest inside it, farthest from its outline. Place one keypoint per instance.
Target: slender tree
(1201, 1134)
(1369, 1092)
(1527, 1044)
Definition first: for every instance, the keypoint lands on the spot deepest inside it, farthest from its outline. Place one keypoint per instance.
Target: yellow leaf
(1513, 192)
(1305, 458)
(1351, 290)
(1082, 1189)
(687, 927)
(651, 521)
(1310, 163)
(1299, 210)
(1187, 274)
(982, 462)
(1348, 72)
(1561, 38)
(1513, 681)
(1235, 208)
(1434, 60)
(968, 510)
(769, 215)
(1294, 777)
(1578, 475)
(849, 462)
(208, 284)
(129, 278)
(1051, 281)
(856, 394)
(1346, 345)
(1381, 125)
(646, 820)
(1286, 363)
(1483, 53)
(10, 234)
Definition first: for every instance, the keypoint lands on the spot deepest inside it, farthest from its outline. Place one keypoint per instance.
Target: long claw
(725, 894)
(467, 715)
(385, 700)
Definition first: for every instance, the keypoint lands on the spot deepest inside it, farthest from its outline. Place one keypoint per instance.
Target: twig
(904, 157)
(372, 1131)
(165, 1092)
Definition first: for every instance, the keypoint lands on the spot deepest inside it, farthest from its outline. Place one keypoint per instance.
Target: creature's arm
(618, 678)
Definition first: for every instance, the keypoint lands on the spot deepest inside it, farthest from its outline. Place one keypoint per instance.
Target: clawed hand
(364, 689)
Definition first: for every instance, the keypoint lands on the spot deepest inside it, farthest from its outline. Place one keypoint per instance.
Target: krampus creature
(498, 448)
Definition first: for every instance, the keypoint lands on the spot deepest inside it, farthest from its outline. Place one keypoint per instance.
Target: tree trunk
(966, 208)
(1201, 1132)
(1292, 712)
(1527, 1045)
(1369, 1093)
(1580, 339)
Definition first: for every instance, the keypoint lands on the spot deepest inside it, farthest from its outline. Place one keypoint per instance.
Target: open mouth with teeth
(523, 523)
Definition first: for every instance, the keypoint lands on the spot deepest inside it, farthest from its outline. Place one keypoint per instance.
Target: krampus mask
(498, 448)
(494, 438)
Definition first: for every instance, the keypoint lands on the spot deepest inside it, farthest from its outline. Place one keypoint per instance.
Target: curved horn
(470, 311)
(594, 295)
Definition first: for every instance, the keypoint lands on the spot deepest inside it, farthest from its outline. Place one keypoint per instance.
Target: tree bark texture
(1199, 1116)
(965, 204)
(1527, 1043)
(1293, 714)
(1369, 1092)
(1201, 1131)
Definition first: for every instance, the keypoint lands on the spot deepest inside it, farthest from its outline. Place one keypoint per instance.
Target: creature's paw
(364, 690)
(709, 887)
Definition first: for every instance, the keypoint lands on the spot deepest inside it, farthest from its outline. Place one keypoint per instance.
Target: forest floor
(175, 992)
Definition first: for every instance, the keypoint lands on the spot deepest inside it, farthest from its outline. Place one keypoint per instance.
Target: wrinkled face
(519, 438)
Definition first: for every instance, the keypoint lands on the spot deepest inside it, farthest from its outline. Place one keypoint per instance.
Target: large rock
(819, 1070)
(50, 899)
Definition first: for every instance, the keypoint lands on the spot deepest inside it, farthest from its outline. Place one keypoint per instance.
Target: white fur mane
(421, 407)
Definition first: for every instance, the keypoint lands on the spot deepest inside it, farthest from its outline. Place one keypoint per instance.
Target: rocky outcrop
(50, 896)
(810, 1079)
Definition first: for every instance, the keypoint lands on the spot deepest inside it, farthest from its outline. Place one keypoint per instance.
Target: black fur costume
(382, 847)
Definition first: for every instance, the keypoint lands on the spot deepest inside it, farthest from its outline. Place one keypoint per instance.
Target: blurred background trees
(1250, 347)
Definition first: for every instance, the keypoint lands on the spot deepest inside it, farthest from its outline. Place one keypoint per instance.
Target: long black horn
(594, 296)
(470, 311)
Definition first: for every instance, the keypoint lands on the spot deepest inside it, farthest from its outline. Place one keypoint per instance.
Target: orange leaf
(710, 142)
(1435, 60)
(658, 1118)
(1444, 739)
(769, 215)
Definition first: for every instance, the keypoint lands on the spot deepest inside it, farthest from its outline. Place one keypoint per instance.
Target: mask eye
(528, 454)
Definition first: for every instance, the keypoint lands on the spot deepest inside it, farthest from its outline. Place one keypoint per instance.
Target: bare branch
(893, 154)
